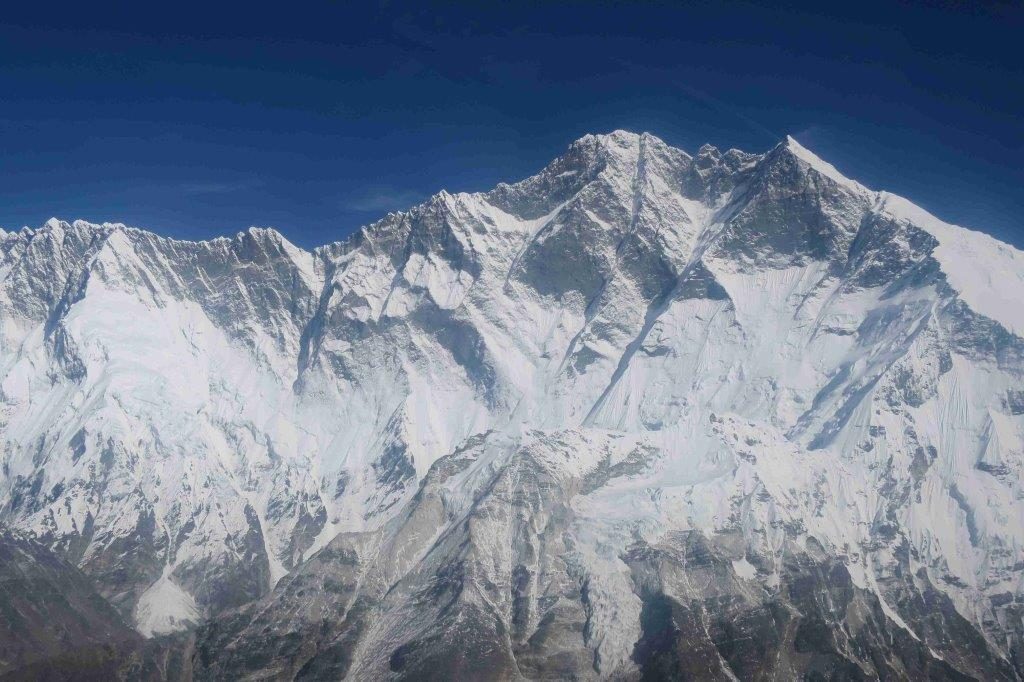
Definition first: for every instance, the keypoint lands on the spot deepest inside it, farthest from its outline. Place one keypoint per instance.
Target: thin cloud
(729, 110)
(382, 200)
(218, 187)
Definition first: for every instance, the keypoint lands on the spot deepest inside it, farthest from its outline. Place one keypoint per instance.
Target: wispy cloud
(382, 199)
(729, 110)
(218, 187)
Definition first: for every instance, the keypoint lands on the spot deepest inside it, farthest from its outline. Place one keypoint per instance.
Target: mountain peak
(618, 135)
(791, 146)
(263, 233)
(618, 140)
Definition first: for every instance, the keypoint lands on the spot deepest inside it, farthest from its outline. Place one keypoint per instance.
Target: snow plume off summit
(645, 414)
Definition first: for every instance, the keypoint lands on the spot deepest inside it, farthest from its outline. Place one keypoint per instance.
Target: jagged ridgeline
(644, 415)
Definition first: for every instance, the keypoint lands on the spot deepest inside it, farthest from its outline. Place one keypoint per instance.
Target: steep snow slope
(643, 413)
(987, 274)
(145, 385)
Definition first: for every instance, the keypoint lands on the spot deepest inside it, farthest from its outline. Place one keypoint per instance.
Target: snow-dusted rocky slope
(49, 608)
(643, 414)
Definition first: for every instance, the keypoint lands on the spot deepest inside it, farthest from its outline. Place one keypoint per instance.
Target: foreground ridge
(644, 414)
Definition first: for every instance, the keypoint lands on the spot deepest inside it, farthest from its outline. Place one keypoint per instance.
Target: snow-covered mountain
(643, 414)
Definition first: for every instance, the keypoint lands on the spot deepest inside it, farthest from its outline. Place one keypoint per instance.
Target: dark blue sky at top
(196, 121)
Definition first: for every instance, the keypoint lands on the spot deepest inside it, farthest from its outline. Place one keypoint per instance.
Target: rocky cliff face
(643, 415)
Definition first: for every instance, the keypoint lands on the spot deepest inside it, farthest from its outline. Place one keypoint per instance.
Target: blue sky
(196, 121)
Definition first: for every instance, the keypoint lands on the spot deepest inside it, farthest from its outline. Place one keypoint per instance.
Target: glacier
(646, 414)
